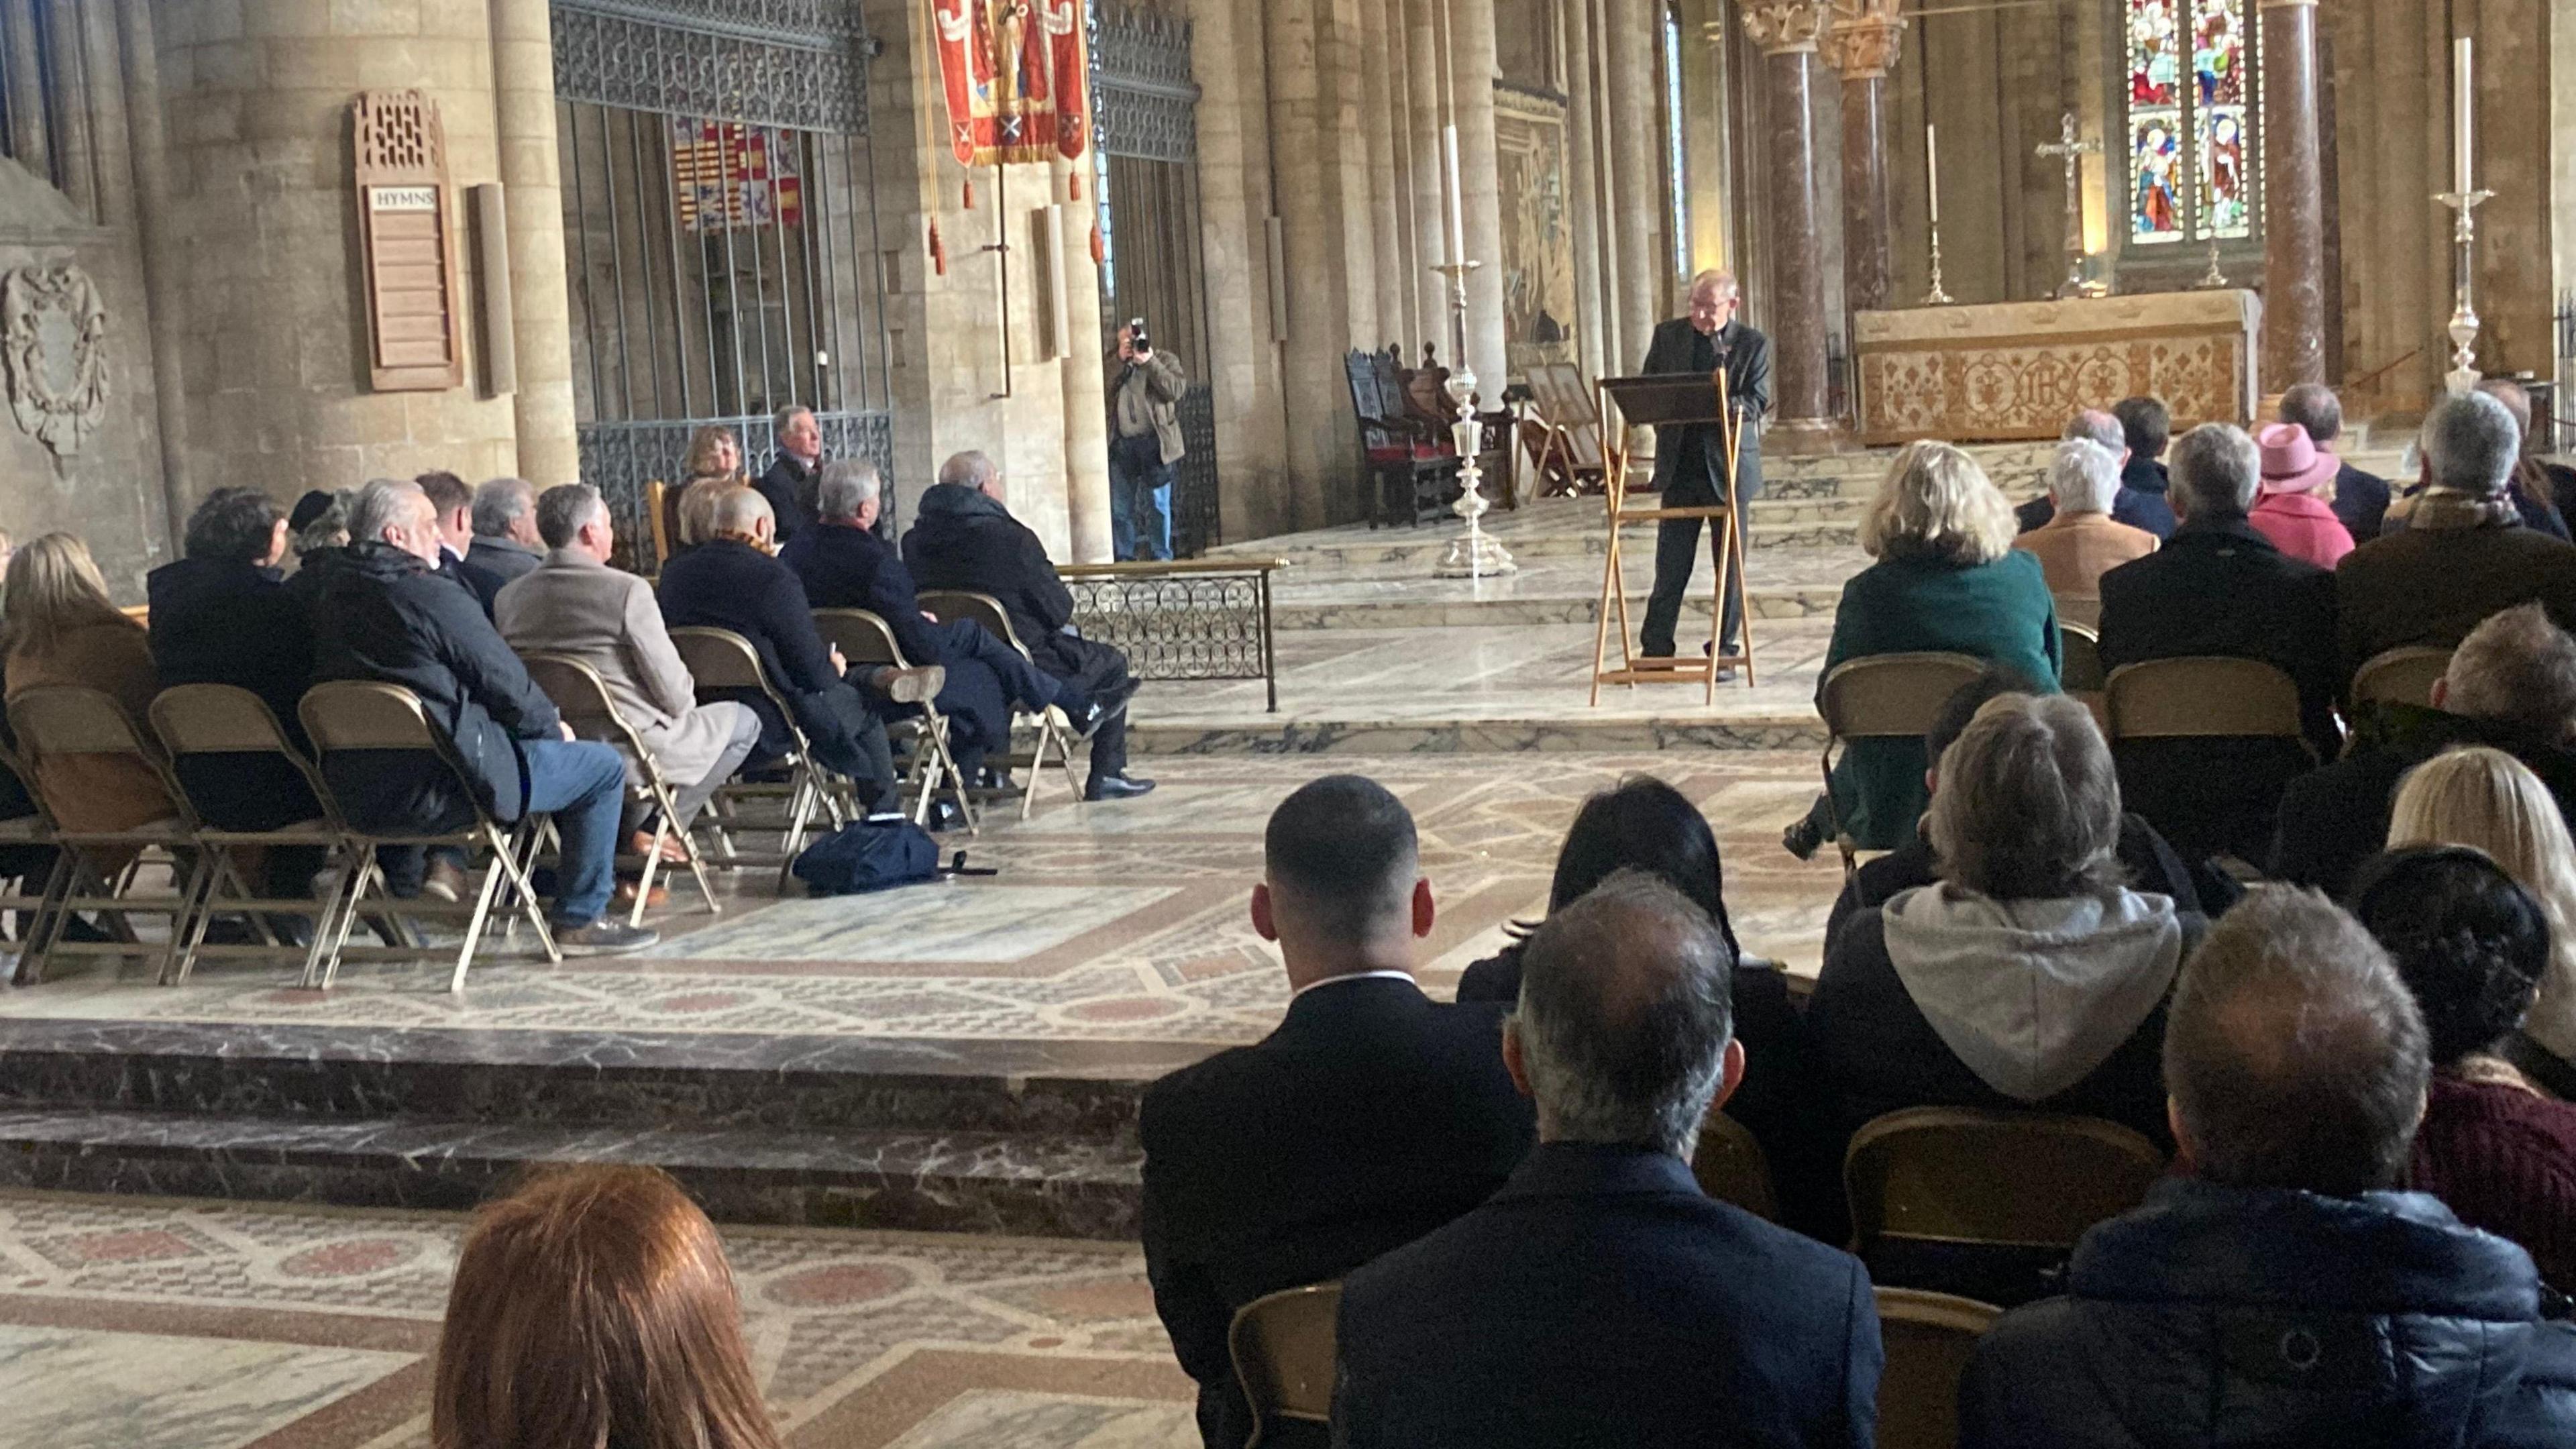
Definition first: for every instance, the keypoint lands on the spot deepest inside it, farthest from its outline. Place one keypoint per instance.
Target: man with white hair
(2464, 554)
(1690, 461)
(505, 543)
(2092, 425)
(2081, 541)
(789, 483)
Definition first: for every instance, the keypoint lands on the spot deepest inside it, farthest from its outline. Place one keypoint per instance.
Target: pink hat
(2292, 462)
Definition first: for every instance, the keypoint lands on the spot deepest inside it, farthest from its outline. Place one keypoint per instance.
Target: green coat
(2000, 612)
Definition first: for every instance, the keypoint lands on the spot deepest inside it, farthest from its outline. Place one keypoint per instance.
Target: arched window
(2194, 122)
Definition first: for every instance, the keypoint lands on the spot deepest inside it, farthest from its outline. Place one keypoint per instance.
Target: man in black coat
(1600, 1297)
(789, 483)
(2361, 499)
(385, 615)
(453, 500)
(1372, 1115)
(731, 582)
(2147, 426)
(506, 545)
(1690, 462)
(965, 539)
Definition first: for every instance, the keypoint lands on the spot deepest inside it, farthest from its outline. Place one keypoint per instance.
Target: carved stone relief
(53, 346)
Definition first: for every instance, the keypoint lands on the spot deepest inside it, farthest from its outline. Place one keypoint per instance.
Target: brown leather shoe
(625, 899)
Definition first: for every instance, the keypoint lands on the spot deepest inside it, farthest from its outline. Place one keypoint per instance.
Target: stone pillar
(1864, 46)
(25, 63)
(1423, 50)
(1086, 379)
(1254, 489)
(2294, 268)
(1582, 195)
(1305, 154)
(1379, 128)
(101, 60)
(1787, 31)
(151, 165)
(523, 84)
(73, 156)
(1471, 74)
(1637, 205)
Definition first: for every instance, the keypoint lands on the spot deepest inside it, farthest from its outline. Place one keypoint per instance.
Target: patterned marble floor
(169, 1324)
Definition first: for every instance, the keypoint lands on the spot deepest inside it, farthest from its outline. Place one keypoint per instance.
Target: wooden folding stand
(1670, 402)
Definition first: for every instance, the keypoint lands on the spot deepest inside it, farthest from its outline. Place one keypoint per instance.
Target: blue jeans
(583, 785)
(1140, 498)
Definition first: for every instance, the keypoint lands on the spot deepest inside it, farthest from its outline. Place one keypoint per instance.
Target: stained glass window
(2191, 120)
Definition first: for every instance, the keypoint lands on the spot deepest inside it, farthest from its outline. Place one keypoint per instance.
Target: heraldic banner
(1014, 72)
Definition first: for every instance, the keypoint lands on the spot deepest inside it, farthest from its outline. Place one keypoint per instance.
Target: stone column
(1306, 189)
(1787, 32)
(1227, 59)
(523, 85)
(2294, 268)
(73, 156)
(1429, 89)
(151, 164)
(1086, 378)
(1638, 208)
(101, 61)
(1471, 73)
(25, 63)
(1864, 45)
(1379, 129)
(1582, 195)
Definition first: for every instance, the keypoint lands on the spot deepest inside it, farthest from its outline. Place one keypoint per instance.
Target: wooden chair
(1405, 456)
(1055, 732)
(1884, 696)
(1282, 1345)
(581, 696)
(865, 638)
(66, 722)
(2401, 676)
(1731, 1168)
(721, 660)
(366, 715)
(1928, 1337)
(661, 515)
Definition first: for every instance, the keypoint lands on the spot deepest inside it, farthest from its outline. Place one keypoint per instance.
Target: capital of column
(1865, 38)
(1785, 27)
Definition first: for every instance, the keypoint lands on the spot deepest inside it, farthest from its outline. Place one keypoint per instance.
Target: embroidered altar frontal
(2015, 371)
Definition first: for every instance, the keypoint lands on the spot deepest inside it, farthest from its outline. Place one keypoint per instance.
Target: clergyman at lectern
(1690, 466)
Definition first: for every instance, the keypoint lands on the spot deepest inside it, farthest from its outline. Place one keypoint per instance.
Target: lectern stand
(1682, 400)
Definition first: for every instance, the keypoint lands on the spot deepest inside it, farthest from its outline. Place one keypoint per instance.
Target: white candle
(1932, 155)
(2463, 109)
(1457, 198)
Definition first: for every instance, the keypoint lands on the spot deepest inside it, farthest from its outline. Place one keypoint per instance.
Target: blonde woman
(1947, 579)
(2488, 799)
(712, 465)
(715, 453)
(61, 628)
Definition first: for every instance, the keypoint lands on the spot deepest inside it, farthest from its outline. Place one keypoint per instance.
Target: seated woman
(2472, 946)
(1648, 825)
(61, 628)
(595, 1307)
(2488, 800)
(712, 465)
(1947, 579)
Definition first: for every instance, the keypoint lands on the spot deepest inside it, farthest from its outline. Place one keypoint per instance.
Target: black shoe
(1116, 787)
(607, 936)
(1803, 839)
(945, 816)
(1091, 720)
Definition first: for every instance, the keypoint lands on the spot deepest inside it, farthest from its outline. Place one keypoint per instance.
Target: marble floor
(173, 1324)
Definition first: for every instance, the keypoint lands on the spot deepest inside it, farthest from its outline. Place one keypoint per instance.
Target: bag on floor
(868, 855)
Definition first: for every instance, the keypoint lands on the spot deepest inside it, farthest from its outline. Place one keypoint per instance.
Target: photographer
(1144, 443)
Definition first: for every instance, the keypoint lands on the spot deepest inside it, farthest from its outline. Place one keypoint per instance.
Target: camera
(1136, 335)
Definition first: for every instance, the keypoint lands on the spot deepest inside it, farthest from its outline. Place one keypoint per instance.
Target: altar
(2016, 371)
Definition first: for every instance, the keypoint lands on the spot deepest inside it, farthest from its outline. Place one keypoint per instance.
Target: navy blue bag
(868, 855)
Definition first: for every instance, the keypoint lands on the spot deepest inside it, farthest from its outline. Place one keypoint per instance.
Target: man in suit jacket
(574, 603)
(1600, 1297)
(453, 500)
(789, 483)
(506, 545)
(2361, 499)
(1371, 1116)
(1690, 462)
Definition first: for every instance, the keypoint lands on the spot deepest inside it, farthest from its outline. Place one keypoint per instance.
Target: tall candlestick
(2463, 112)
(1457, 197)
(1932, 156)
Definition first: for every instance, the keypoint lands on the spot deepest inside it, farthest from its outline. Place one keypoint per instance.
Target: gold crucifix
(2073, 151)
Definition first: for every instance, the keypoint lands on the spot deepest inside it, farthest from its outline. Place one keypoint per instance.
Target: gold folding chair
(1055, 732)
(367, 715)
(2401, 676)
(1282, 1345)
(582, 698)
(1884, 696)
(2001, 1179)
(33, 829)
(863, 637)
(2203, 697)
(1928, 1337)
(68, 721)
(1731, 1167)
(721, 660)
(2079, 669)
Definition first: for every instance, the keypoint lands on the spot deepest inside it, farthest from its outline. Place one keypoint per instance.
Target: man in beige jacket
(2083, 542)
(575, 603)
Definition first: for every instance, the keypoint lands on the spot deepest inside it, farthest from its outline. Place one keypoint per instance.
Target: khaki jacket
(607, 618)
(2074, 550)
(1148, 394)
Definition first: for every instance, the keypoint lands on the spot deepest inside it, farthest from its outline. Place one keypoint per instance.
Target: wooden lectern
(1677, 400)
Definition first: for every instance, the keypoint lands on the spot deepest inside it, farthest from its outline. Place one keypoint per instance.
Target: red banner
(1013, 73)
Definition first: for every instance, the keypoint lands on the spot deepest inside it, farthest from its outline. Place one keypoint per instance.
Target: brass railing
(1203, 618)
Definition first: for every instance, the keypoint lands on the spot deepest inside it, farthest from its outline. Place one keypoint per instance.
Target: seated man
(2464, 554)
(2080, 541)
(506, 544)
(454, 501)
(1372, 1115)
(2145, 426)
(789, 483)
(845, 565)
(2360, 499)
(575, 604)
(1600, 1297)
(384, 615)
(2277, 1290)
(965, 539)
(2510, 684)
(731, 582)
(2093, 426)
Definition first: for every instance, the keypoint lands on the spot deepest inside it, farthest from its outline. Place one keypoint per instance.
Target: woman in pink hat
(2289, 512)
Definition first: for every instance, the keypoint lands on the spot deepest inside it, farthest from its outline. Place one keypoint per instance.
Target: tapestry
(1538, 239)
(725, 176)
(1013, 71)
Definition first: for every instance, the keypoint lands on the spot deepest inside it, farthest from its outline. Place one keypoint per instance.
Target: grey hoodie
(2033, 995)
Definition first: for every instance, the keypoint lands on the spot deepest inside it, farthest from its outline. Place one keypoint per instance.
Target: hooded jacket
(1944, 997)
(962, 539)
(2217, 1316)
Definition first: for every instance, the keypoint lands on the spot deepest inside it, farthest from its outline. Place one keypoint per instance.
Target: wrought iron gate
(721, 232)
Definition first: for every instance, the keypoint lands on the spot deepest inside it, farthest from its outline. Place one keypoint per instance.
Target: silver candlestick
(2464, 312)
(1475, 553)
(1936, 297)
(2216, 276)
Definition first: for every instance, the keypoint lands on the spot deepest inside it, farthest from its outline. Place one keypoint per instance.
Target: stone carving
(1866, 38)
(1779, 26)
(53, 344)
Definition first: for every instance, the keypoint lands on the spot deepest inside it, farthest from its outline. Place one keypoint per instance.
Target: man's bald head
(1625, 1013)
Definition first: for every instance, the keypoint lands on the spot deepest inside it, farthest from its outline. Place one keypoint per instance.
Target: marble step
(1826, 523)
(1802, 602)
(1021, 1184)
(1572, 730)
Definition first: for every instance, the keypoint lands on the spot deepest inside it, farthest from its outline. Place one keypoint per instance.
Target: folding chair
(661, 503)
(720, 660)
(28, 831)
(1731, 1167)
(582, 697)
(2401, 676)
(354, 715)
(1282, 1345)
(864, 637)
(1884, 696)
(2079, 669)
(1928, 1337)
(1055, 732)
(2241, 713)
(224, 719)
(65, 722)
